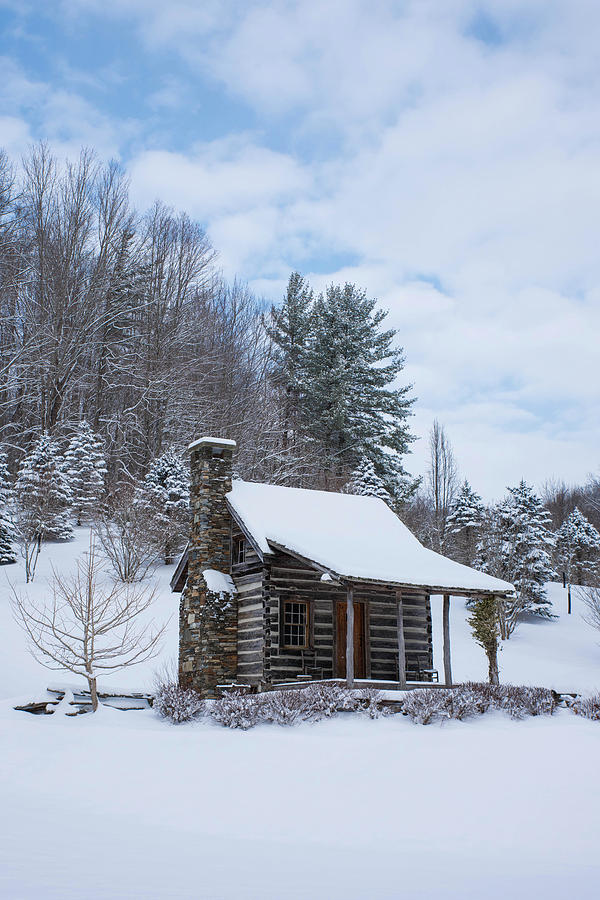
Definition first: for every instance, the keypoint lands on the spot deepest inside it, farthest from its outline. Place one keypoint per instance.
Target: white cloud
(460, 176)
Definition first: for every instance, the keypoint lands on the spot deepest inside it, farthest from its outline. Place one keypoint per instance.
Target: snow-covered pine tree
(578, 549)
(85, 466)
(464, 524)
(42, 493)
(164, 496)
(517, 546)
(350, 408)
(365, 482)
(290, 329)
(7, 552)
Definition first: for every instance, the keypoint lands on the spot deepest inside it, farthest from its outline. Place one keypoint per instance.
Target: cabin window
(238, 549)
(295, 624)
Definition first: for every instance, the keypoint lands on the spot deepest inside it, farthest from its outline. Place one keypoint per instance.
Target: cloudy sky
(442, 154)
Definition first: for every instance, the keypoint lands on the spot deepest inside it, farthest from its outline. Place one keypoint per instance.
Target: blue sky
(443, 155)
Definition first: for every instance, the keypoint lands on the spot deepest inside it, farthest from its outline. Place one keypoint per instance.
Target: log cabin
(283, 585)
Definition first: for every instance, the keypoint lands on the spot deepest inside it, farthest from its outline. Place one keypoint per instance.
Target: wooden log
(349, 637)
(401, 645)
(447, 659)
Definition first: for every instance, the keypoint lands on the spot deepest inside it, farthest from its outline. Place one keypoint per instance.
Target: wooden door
(360, 649)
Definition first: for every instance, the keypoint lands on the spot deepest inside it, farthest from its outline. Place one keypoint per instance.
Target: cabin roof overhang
(419, 587)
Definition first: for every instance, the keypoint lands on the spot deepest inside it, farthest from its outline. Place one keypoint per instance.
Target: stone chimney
(208, 618)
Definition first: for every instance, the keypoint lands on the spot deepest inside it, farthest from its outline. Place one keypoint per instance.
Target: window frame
(239, 548)
(307, 624)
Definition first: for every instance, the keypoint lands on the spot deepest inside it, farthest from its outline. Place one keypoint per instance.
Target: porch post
(447, 662)
(401, 644)
(349, 637)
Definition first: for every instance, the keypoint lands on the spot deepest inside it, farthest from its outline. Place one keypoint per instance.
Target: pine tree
(42, 493)
(350, 409)
(484, 625)
(164, 496)
(517, 546)
(86, 468)
(464, 524)
(578, 549)
(365, 482)
(290, 330)
(7, 553)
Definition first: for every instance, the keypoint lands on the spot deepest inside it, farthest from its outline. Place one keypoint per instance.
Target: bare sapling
(590, 597)
(89, 625)
(125, 537)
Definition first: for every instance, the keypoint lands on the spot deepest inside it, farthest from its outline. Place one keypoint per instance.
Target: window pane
(295, 624)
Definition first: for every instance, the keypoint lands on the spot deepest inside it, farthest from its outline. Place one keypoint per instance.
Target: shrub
(236, 709)
(589, 707)
(473, 699)
(368, 701)
(286, 707)
(174, 702)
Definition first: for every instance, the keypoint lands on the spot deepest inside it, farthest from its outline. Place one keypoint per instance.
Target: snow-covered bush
(285, 707)
(237, 709)
(176, 703)
(368, 701)
(589, 707)
(289, 707)
(425, 706)
(474, 699)
(326, 700)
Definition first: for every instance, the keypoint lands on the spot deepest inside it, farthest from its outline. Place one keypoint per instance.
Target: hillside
(562, 653)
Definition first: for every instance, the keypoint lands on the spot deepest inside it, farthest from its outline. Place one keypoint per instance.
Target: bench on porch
(310, 669)
(418, 669)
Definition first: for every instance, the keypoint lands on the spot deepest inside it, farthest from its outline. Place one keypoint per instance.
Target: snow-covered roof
(211, 442)
(351, 536)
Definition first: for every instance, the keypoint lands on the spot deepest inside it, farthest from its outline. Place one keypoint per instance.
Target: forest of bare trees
(122, 318)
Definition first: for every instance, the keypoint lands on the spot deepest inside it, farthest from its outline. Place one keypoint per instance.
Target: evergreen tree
(86, 468)
(7, 553)
(484, 625)
(365, 482)
(350, 408)
(464, 524)
(42, 493)
(165, 498)
(578, 549)
(290, 330)
(517, 546)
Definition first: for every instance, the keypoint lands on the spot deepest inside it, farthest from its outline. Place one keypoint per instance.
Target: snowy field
(122, 805)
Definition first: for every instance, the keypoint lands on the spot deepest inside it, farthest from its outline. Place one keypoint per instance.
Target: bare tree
(89, 626)
(442, 481)
(590, 597)
(123, 530)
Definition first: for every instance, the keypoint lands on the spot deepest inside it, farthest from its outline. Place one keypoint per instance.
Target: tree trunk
(93, 692)
(493, 675)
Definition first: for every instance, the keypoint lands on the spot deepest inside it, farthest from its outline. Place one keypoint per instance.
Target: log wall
(286, 577)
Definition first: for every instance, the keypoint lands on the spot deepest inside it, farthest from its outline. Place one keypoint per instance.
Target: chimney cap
(212, 442)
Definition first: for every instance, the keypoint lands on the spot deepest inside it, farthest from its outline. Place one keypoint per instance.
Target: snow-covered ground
(122, 805)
